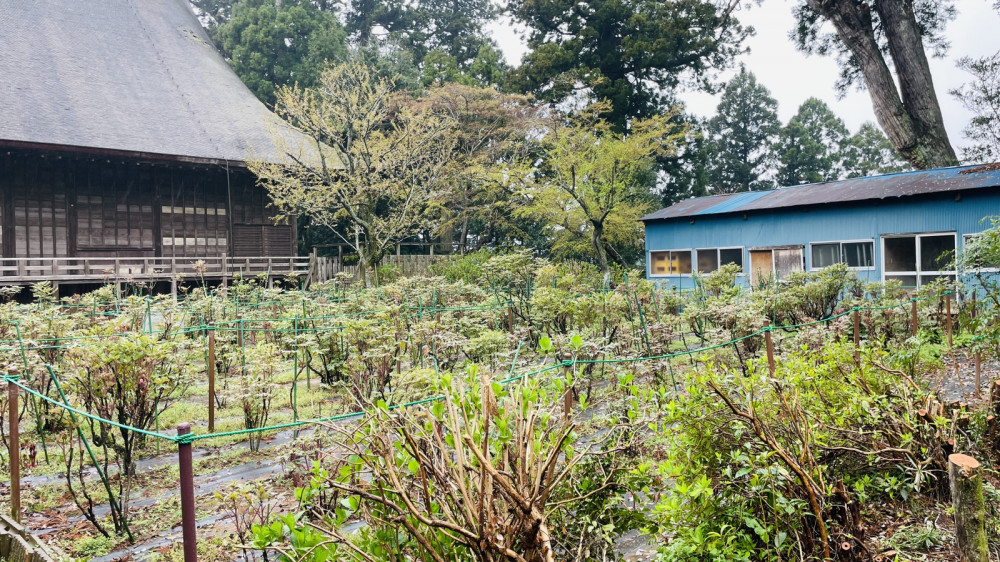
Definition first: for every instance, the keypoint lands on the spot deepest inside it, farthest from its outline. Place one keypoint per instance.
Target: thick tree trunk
(913, 122)
(966, 479)
(596, 239)
(916, 85)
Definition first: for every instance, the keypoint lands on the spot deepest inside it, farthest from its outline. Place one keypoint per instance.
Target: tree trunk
(596, 239)
(966, 479)
(912, 123)
(362, 262)
(932, 147)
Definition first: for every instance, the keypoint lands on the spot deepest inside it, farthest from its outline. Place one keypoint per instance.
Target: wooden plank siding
(58, 205)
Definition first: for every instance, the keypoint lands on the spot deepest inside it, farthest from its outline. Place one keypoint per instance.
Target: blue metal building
(904, 226)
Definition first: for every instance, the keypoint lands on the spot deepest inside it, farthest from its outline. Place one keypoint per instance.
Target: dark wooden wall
(70, 205)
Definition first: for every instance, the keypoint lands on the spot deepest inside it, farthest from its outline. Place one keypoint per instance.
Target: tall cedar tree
(868, 153)
(742, 134)
(271, 46)
(873, 40)
(810, 147)
(630, 52)
(454, 27)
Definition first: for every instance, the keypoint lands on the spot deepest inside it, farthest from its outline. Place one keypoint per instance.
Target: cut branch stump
(966, 479)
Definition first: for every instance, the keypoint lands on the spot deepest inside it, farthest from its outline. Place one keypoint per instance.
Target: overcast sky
(792, 77)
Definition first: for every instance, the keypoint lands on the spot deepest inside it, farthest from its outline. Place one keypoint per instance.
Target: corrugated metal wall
(832, 223)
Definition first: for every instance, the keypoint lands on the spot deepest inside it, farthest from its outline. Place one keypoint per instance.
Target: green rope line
(71, 409)
(190, 438)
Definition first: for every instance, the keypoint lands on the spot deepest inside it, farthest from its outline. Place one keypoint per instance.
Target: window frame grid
(918, 274)
(840, 243)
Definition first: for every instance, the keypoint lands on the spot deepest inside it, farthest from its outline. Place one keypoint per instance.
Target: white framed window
(982, 265)
(670, 262)
(709, 259)
(857, 254)
(918, 259)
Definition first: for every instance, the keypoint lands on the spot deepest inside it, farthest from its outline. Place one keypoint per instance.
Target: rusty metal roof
(903, 184)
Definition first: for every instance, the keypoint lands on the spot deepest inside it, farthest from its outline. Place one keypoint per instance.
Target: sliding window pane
(901, 254)
(731, 255)
(859, 254)
(908, 281)
(708, 260)
(680, 263)
(661, 263)
(925, 279)
(937, 252)
(825, 255)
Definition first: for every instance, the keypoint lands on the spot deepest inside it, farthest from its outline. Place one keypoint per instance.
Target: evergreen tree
(685, 173)
(742, 135)
(868, 153)
(982, 98)
(810, 147)
(632, 53)
(272, 44)
(874, 40)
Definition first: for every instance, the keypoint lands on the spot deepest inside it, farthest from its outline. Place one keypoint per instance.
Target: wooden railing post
(14, 442)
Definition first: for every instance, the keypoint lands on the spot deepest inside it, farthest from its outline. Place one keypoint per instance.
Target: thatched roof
(129, 76)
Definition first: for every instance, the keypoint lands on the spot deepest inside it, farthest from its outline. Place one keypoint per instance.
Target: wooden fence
(324, 269)
(17, 545)
(113, 269)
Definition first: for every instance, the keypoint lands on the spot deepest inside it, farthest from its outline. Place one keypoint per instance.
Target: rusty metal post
(14, 442)
(947, 314)
(188, 528)
(211, 377)
(913, 316)
(770, 346)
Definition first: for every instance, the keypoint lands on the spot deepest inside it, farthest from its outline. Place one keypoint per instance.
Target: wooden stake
(979, 365)
(239, 330)
(568, 395)
(188, 514)
(14, 442)
(966, 482)
(211, 378)
(857, 337)
(947, 317)
(913, 316)
(770, 346)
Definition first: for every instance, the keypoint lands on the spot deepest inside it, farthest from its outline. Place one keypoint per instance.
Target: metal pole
(14, 451)
(188, 529)
(770, 346)
(211, 378)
